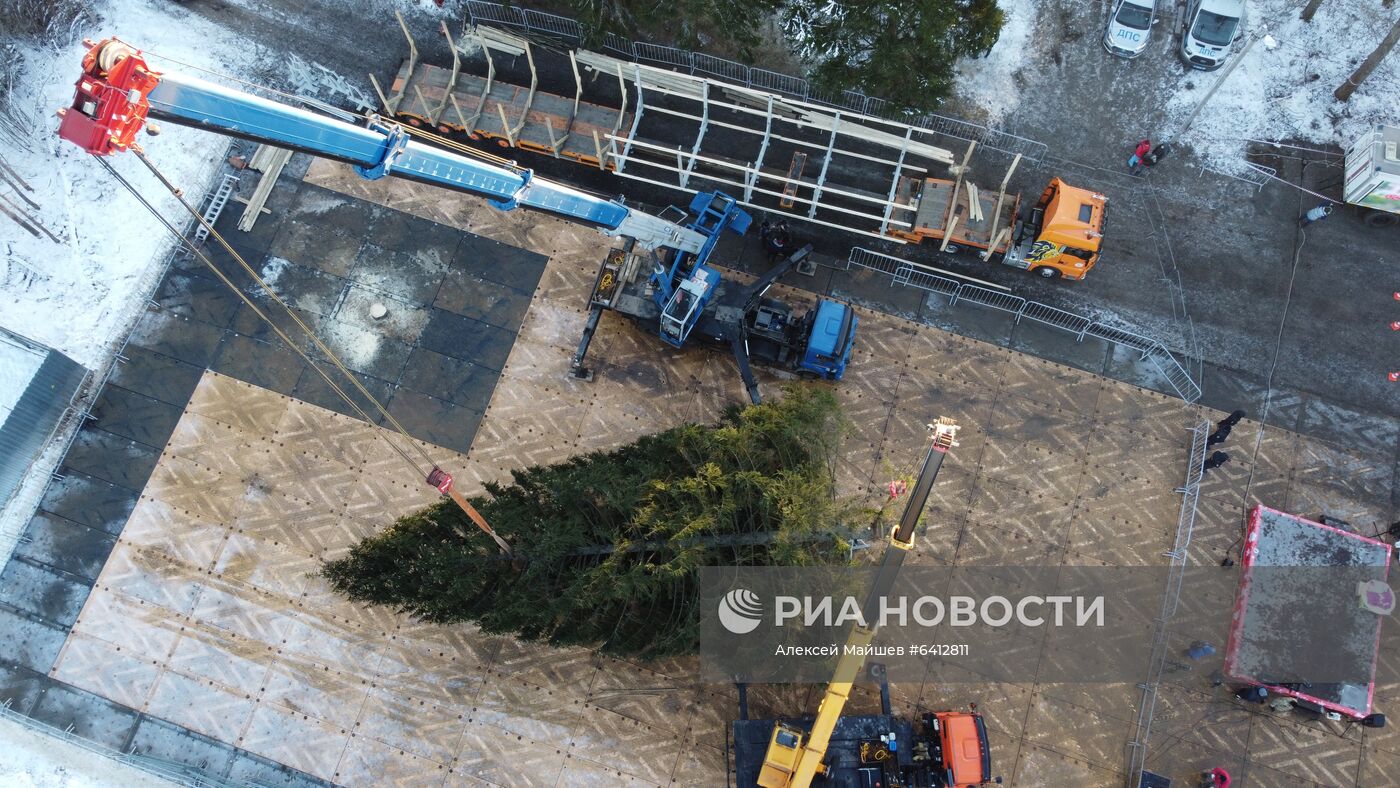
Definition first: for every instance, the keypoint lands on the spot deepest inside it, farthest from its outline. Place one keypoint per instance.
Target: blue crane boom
(118, 90)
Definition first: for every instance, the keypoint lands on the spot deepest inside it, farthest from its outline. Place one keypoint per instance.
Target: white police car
(1209, 31)
(1129, 27)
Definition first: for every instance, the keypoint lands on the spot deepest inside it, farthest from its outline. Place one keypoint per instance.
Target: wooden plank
(947, 236)
(974, 205)
(271, 160)
(1000, 239)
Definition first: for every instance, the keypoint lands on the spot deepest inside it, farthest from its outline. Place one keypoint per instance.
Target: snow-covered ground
(30, 759)
(1282, 87)
(989, 83)
(80, 294)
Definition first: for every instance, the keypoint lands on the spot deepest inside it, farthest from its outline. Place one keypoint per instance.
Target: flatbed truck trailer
(1059, 237)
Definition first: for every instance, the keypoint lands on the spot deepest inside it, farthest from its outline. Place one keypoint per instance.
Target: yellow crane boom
(792, 762)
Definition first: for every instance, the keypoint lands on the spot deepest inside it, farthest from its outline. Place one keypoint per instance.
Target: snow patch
(272, 271)
(989, 83)
(355, 347)
(79, 294)
(18, 363)
(1282, 88)
(30, 759)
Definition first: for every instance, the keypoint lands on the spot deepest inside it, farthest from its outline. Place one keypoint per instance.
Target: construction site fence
(902, 272)
(569, 32)
(1256, 175)
(1171, 599)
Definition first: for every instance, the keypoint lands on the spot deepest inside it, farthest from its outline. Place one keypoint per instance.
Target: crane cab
(781, 761)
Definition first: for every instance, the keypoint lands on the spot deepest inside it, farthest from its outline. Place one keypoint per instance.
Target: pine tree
(608, 543)
(903, 51)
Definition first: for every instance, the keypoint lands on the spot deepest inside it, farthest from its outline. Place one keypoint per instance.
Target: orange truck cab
(1062, 235)
(959, 741)
(1059, 238)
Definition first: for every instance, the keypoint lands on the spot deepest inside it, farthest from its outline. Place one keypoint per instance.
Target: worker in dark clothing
(1221, 433)
(1215, 461)
(1158, 153)
(777, 240)
(1135, 161)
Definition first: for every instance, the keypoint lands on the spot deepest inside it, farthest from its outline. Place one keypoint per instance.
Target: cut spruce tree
(607, 544)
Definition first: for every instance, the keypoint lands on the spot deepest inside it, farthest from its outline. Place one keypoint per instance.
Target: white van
(1210, 30)
(1129, 27)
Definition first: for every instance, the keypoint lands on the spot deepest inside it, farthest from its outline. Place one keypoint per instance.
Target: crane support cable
(379, 429)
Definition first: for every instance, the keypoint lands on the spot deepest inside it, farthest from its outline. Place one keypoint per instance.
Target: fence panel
(481, 12)
(995, 299)
(560, 27)
(924, 280)
(719, 68)
(1059, 318)
(779, 83)
(875, 261)
(618, 46)
(1120, 337)
(664, 56)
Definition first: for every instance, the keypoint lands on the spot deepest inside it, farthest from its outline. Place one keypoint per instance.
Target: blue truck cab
(830, 339)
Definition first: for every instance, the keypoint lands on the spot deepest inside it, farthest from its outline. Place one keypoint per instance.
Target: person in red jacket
(1135, 161)
(1215, 778)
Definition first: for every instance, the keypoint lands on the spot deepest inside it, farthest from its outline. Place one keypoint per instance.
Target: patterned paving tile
(1052, 384)
(222, 657)
(535, 712)
(184, 536)
(370, 762)
(415, 725)
(311, 689)
(201, 705)
(501, 758)
(129, 623)
(123, 675)
(236, 403)
(151, 577)
(1077, 732)
(626, 745)
(298, 740)
(1038, 765)
(441, 675)
(197, 489)
(1303, 751)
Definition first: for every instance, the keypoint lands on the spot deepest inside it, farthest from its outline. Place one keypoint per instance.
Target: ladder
(215, 207)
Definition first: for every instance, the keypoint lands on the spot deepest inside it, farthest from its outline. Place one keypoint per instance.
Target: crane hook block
(945, 433)
(440, 479)
(111, 100)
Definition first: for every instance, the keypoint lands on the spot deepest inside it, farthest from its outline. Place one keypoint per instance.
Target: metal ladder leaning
(215, 207)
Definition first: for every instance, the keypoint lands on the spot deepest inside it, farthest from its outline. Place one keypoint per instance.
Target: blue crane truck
(680, 294)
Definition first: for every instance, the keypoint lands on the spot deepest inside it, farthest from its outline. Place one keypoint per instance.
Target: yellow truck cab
(1062, 235)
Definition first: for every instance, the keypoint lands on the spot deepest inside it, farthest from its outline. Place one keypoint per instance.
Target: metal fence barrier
(902, 273)
(570, 32)
(1171, 598)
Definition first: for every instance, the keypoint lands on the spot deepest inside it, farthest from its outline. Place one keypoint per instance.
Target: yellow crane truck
(1059, 238)
(946, 749)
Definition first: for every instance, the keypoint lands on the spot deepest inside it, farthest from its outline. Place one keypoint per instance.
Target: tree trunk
(1344, 91)
(1310, 10)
